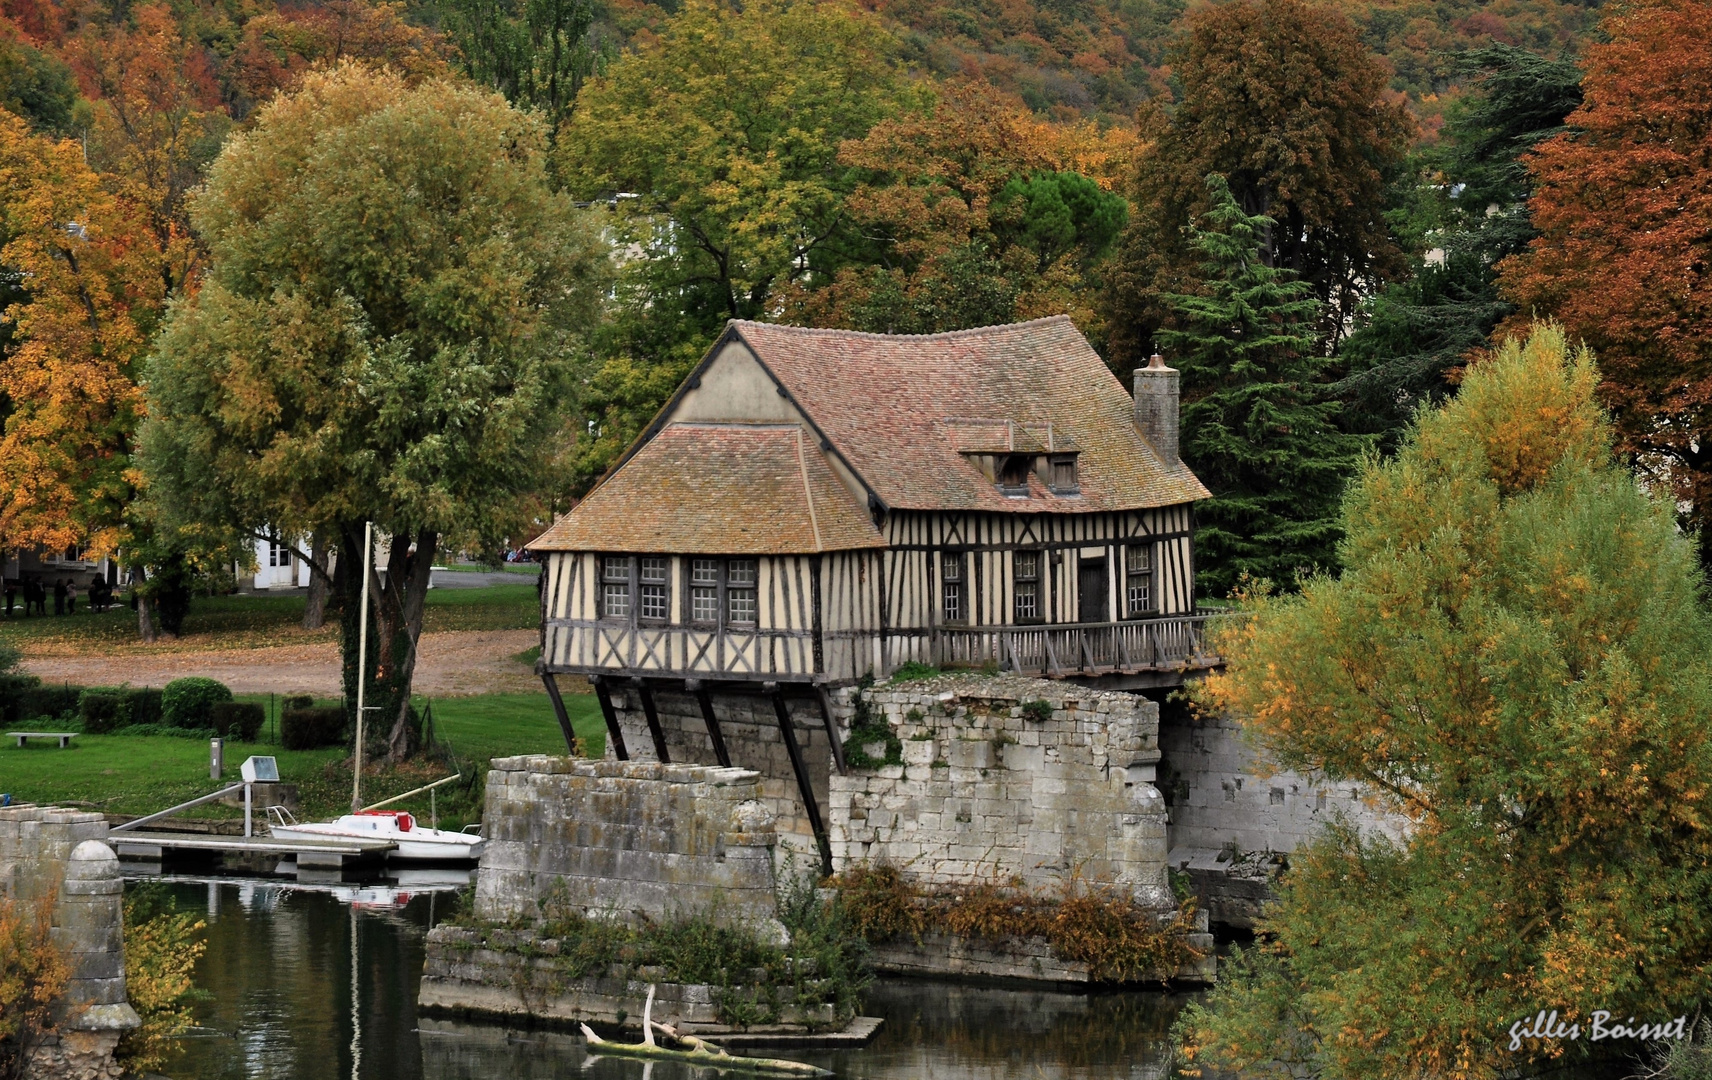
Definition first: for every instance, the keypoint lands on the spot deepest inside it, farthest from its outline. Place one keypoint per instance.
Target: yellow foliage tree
(161, 950)
(1514, 661)
(94, 293)
(32, 977)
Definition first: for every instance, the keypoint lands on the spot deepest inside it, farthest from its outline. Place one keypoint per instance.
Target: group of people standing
(35, 595)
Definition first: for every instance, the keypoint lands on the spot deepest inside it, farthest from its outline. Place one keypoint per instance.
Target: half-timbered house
(816, 506)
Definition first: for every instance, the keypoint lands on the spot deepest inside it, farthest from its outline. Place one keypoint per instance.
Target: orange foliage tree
(95, 294)
(280, 46)
(1623, 205)
(942, 200)
(158, 121)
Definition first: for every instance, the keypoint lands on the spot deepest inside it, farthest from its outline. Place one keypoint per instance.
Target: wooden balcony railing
(1173, 643)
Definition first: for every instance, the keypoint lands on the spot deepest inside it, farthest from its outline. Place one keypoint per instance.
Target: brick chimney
(1156, 408)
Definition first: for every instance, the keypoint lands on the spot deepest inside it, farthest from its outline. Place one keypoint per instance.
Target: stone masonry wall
(750, 727)
(49, 852)
(627, 839)
(1221, 792)
(985, 791)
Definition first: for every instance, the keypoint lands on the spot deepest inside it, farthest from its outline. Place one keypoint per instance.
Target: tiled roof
(898, 408)
(719, 489)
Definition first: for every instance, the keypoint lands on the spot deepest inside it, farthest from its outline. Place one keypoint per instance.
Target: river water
(319, 983)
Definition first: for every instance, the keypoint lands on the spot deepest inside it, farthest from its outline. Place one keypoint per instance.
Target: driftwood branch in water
(700, 1052)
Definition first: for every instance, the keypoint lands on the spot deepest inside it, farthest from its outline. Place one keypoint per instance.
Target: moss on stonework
(824, 963)
(1119, 939)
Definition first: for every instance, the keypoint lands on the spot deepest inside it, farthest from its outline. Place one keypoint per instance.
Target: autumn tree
(1282, 98)
(715, 148)
(1514, 662)
(158, 122)
(1468, 211)
(1623, 205)
(972, 211)
(79, 333)
(279, 46)
(1256, 429)
(384, 334)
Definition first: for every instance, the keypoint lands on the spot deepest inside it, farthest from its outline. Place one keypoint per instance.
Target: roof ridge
(947, 335)
(766, 425)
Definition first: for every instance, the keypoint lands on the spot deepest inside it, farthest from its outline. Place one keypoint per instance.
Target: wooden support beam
(653, 716)
(552, 684)
(788, 731)
(603, 693)
(699, 689)
(832, 730)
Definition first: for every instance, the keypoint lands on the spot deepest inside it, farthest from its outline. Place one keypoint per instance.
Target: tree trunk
(145, 605)
(315, 610)
(395, 623)
(407, 585)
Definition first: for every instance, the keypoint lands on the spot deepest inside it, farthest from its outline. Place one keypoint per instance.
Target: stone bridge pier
(56, 864)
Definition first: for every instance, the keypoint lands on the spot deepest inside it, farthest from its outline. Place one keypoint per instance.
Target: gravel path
(459, 663)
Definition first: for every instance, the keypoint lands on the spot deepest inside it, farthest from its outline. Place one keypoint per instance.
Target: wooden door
(1091, 590)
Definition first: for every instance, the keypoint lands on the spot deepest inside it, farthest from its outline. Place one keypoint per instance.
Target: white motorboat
(415, 843)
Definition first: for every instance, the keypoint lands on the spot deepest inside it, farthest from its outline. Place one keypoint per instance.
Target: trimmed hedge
(189, 703)
(54, 702)
(102, 711)
(310, 729)
(237, 720)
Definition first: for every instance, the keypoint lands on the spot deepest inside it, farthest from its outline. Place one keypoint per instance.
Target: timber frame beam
(552, 683)
(604, 694)
(788, 731)
(699, 689)
(653, 716)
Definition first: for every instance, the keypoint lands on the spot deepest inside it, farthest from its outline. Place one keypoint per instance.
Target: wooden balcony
(1174, 644)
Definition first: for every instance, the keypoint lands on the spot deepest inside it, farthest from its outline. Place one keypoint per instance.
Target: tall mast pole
(362, 664)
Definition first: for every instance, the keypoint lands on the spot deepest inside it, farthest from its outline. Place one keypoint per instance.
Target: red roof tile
(719, 489)
(899, 408)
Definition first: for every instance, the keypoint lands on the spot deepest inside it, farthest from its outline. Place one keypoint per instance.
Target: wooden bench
(64, 737)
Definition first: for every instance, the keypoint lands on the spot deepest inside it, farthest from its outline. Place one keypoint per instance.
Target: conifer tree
(1255, 427)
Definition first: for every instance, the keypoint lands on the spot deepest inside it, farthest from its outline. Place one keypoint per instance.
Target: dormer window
(1064, 478)
(1013, 475)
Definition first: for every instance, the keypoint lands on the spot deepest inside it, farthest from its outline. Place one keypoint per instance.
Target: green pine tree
(1256, 428)
(1469, 208)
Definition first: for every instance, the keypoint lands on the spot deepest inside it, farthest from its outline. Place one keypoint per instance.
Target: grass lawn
(247, 622)
(129, 774)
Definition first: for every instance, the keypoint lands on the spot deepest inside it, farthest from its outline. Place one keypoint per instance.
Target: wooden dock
(310, 854)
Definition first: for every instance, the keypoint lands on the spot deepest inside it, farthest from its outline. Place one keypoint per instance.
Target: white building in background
(277, 566)
(280, 566)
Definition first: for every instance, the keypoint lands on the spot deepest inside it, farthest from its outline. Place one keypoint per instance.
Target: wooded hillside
(1064, 58)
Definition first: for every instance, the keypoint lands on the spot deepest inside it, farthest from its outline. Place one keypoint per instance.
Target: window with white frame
(740, 579)
(615, 586)
(1027, 586)
(653, 601)
(1138, 575)
(704, 590)
(278, 554)
(953, 588)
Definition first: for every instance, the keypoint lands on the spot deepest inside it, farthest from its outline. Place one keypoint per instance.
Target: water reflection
(313, 986)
